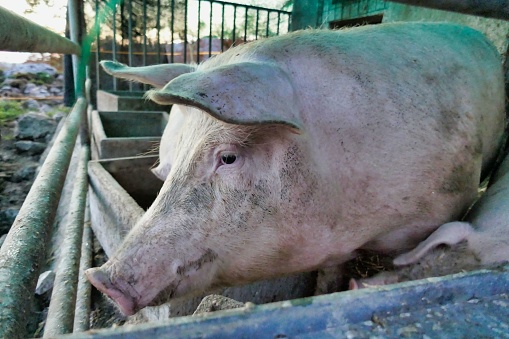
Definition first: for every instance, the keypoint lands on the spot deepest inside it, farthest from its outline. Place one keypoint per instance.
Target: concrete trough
(120, 190)
(126, 101)
(126, 134)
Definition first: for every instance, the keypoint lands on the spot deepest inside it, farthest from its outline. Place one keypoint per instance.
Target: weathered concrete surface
(126, 101)
(126, 134)
(112, 209)
(495, 30)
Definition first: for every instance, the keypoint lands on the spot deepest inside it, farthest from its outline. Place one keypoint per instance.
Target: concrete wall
(495, 30)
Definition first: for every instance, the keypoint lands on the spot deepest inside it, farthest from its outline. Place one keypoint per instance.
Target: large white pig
(291, 153)
(480, 241)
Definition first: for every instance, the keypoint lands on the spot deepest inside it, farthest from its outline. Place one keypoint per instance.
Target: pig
(481, 241)
(292, 153)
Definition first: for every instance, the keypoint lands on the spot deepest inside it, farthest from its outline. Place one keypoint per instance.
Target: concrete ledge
(126, 101)
(126, 134)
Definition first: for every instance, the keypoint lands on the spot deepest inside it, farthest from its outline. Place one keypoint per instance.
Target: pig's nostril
(101, 281)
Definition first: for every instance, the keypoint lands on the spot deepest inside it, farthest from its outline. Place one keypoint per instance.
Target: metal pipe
(83, 298)
(498, 9)
(234, 24)
(60, 318)
(74, 29)
(222, 29)
(267, 27)
(113, 46)
(245, 25)
(130, 37)
(98, 47)
(257, 18)
(210, 31)
(278, 22)
(185, 29)
(172, 56)
(24, 250)
(198, 34)
(145, 87)
(158, 28)
(21, 35)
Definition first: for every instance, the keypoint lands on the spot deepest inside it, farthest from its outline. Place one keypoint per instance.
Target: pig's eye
(228, 159)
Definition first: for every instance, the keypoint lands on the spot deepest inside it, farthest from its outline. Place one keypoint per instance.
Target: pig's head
(234, 190)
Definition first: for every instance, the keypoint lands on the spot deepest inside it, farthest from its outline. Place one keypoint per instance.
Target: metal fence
(145, 32)
(24, 251)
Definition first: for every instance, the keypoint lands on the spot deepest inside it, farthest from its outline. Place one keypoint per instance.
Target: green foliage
(2, 76)
(43, 78)
(10, 110)
(60, 109)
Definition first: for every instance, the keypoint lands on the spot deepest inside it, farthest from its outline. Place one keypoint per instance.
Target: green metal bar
(497, 9)
(21, 35)
(60, 318)
(24, 250)
(74, 29)
(81, 315)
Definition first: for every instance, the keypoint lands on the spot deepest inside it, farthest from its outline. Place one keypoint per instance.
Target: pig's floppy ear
(156, 75)
(241, 93)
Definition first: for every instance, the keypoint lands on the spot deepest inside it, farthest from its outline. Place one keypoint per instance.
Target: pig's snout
(120, 291)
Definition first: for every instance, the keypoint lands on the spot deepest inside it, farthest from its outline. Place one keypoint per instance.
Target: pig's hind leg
(450, 234)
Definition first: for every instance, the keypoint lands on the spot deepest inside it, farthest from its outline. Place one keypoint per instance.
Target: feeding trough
(126, 101)
(126, 134)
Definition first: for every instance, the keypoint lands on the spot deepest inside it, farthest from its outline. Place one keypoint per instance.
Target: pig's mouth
(121, 292)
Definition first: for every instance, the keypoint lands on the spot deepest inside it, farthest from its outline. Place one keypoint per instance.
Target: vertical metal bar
(257, 18)
(83, 298)
(145, 87)
(222, 28)
(24, 250)
(130, 37)
(98, 47)
(144, 32)
(289, 22)
(210, 30)
(158, 28)
(245, 25)
(267, 28)
(198, 39)
(185, 30)
(172, 57)
(114, 45)
(234, 24)
(74, 28)
(60, 318)
(278, 21)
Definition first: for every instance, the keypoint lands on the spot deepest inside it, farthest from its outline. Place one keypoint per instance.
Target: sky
(54, 18)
